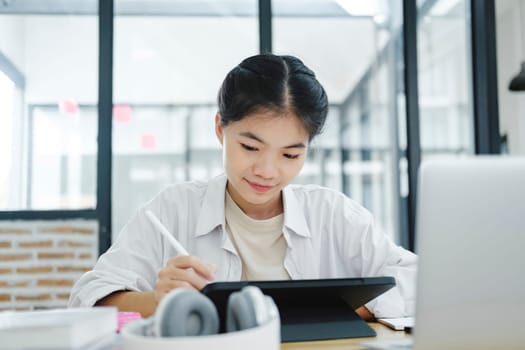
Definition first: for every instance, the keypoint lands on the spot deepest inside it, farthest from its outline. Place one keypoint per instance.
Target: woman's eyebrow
(252, 136)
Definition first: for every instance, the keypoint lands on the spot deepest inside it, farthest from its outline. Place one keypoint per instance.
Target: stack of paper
(57, 329)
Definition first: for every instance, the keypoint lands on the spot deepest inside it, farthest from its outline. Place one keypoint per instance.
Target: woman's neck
(261, 211)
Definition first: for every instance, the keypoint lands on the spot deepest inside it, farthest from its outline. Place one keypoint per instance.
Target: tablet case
(312, 309)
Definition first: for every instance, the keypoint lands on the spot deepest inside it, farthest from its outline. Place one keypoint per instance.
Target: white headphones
(187, 312)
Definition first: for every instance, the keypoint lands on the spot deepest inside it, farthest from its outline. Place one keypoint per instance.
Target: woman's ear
(219, 129)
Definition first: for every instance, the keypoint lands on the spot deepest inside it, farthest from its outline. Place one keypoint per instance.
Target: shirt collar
(211, 213)
(293, 215)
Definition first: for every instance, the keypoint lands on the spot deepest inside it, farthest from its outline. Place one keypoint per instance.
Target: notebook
(470, 240)
(57, 329)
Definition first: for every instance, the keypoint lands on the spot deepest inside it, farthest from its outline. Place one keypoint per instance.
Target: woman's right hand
(183, 271)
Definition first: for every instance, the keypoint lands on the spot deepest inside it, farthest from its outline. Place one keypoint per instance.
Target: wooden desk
(383, 333)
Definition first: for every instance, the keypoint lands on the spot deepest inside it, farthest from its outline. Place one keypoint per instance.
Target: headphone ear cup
(247, 308)
(185, 312)
(240, 313)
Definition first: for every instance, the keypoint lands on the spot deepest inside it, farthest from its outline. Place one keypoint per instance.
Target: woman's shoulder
(317, 197)
(323, 203)
(301, 191)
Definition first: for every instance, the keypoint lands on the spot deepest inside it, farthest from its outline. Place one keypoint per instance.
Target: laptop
(470, 241)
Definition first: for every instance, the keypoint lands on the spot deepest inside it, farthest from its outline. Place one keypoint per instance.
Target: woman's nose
(265, 167)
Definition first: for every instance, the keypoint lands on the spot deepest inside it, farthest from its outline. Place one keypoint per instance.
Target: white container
(264, 337)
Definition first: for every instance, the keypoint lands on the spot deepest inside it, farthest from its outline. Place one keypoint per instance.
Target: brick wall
(41, 260)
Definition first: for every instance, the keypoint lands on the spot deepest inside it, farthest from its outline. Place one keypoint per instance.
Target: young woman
(251, 224)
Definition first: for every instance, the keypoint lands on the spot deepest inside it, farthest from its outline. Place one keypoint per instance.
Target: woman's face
(262, 153)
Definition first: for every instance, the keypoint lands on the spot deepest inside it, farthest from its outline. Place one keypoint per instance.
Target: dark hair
(279, 83)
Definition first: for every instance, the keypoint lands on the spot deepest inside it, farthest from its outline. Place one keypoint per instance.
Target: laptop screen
(470, 240)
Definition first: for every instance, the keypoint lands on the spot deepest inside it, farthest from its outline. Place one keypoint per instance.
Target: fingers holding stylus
(183, 271)
(192, 262)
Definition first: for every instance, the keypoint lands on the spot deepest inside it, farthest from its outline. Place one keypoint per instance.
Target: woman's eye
(248, 148)
(291, 156)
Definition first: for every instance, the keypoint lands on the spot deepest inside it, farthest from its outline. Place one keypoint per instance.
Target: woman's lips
(259, 188)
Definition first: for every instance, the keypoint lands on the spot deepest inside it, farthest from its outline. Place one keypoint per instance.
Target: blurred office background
(103, 105)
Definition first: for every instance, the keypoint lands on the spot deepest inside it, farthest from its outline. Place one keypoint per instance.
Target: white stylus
(158, 225)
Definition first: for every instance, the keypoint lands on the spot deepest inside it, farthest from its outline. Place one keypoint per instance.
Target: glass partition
(445, 79)
(169, 62)
(48, 71)
(353, 46)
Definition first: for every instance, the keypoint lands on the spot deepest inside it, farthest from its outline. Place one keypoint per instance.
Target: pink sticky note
(149, 141)
(122, 113)
(68, 106)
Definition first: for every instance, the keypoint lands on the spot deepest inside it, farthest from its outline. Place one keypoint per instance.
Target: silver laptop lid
(471, 240)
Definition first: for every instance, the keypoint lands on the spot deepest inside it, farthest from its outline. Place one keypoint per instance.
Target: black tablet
(312, 309)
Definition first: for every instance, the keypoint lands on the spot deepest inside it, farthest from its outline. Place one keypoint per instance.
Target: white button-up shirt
(328, 235)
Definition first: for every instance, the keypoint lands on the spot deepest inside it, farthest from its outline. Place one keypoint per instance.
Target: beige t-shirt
(260, 243)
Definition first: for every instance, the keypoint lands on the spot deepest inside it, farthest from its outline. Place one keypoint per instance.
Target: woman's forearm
(143, 302)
